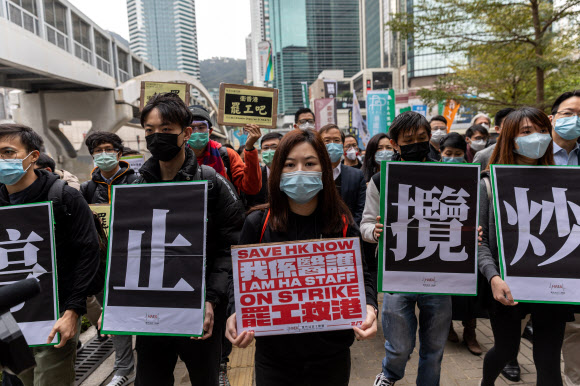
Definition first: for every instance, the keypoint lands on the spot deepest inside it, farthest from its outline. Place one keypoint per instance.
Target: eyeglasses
(271, 147)
(109, 150)
(305, 121)
(568, 114)
(199, 126)
(348, 147)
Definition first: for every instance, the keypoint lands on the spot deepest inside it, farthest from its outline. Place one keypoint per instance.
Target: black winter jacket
(77, 243)
(101, 193)
(225, 213)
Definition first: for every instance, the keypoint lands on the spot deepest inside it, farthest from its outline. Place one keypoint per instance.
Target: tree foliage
(507, 52)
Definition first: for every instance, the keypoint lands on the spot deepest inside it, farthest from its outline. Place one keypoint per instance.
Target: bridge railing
(67, 28)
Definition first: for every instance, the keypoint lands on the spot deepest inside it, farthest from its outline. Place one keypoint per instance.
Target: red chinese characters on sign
(299, 287)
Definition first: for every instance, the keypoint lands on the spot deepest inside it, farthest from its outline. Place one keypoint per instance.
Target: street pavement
(459, 366)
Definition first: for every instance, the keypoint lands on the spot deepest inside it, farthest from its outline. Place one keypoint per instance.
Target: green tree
(511, 52)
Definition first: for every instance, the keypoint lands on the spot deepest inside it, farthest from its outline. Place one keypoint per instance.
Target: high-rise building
(308, 37)
(260, 13)
(164, 33)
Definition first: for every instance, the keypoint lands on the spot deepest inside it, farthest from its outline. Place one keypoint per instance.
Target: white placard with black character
(537, 212)
(27, 251)
(156, 266)
(430, 214)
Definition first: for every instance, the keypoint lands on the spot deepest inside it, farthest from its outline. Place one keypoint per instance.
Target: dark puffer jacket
(97, 191)
(225, 213)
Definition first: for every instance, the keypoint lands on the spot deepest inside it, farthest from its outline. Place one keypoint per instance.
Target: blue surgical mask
(335, 151)
(568, 128)
(384, 155)
(106, 162)
(301, 186)
(453, 160)
(533, 146)
(11, 170)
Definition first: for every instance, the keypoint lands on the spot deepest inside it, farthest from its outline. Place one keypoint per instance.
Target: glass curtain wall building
(309, 36)
(164, 33)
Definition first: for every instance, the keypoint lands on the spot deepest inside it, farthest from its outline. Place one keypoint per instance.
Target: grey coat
(487, 253)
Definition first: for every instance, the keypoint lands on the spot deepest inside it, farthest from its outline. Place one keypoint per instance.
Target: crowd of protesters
(303, 185)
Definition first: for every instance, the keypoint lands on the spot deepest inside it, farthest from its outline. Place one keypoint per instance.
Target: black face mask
(163, 146)
(415, 151)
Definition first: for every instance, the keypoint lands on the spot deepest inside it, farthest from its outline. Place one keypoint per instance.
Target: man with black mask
(166, 121)
(410, 135)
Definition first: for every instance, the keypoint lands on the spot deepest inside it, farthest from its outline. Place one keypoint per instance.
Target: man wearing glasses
(566, 122)
(351, 152)
(106, 150)
(304, 119)
(246, 177)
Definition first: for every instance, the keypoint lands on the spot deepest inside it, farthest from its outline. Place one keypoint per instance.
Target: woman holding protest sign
(303, 205)
(525, 139)
(465, 308)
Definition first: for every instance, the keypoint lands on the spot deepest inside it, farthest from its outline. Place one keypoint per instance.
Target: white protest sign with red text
(298, 287)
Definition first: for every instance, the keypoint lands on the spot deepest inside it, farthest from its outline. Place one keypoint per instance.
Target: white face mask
(306, 126)
(351, 154)
(437, 135)
(477, 145)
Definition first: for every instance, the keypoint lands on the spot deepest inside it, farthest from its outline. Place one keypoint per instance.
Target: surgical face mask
(568, 128)
(12, 171)
(485, 125)
(301, 186)
(477, 145)
(198, 141)
(106, 162)
(533, 146)
(384, 155)
(335, 151)
(306, 126)
(268, 156)
(415, 151)
(351, 154)
(163, 146)
(453, 160)
(437, 135)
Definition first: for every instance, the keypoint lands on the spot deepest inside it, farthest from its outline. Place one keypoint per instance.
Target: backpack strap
(55, 193)
(89, 192)
(226, 160)
(487, 182)
(345, 227)
(265, 225)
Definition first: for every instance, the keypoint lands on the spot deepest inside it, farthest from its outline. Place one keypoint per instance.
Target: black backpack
(55, 193)
(226, 160)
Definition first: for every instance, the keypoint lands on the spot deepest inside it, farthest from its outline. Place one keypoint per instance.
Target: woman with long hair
(525, 139)
(378, 149)
(303, 204)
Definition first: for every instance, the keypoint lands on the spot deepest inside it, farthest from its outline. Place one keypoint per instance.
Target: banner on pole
(429, 242)
(27, 250)
(538, 231)
(305, 94)
(450, 111)
(325, 110)
(359, 123)
(156, 267)
(299, 287)
(380, 111)
(265, 61)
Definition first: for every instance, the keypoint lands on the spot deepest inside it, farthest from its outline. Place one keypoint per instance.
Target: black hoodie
(77, 244)
(225, 214)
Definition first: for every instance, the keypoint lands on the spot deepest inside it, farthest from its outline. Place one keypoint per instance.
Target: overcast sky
(222, 25)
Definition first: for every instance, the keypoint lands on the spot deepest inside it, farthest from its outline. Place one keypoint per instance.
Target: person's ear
(552, 120)
(394, 145)
(497, 129)
(187, 131)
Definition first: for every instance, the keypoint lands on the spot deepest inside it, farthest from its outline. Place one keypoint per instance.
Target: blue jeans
(400, 328)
